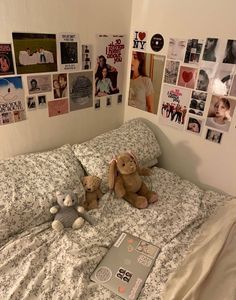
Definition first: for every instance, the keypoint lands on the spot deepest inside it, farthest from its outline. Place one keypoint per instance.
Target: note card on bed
(125, 267)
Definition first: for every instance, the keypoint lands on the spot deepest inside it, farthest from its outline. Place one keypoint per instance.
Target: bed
(39, 263)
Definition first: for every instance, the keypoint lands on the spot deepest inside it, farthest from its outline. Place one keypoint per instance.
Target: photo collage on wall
(196, 84)
(62, 74)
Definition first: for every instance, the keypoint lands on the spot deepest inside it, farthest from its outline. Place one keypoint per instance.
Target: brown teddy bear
(124, 178)
(93, 193)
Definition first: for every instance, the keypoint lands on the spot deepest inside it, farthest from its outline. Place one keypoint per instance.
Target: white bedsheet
(42, 264)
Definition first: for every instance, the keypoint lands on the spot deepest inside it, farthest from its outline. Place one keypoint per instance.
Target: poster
(220, 113)
(174, 104)
(35, 52)
(60, 86)
(87, 57)
(39, 84)
(81, 90)
(58, 107)
(12, 105)
(109, 69)
(68, 51)
(145, 81)
(6, 60)
(176, 49)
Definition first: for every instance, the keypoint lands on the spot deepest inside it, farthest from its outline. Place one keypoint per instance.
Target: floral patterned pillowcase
(133, 135)
(27, 185)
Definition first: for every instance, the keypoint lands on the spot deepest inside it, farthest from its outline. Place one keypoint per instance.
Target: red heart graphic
(187, 76)
(141, 35)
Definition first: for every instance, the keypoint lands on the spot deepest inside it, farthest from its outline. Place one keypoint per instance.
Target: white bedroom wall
(194, 158)
(87, 18)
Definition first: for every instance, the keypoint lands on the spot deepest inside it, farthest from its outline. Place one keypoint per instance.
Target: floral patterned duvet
(39, 263)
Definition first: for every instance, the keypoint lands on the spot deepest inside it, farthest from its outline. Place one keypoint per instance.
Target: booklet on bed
(125, 267)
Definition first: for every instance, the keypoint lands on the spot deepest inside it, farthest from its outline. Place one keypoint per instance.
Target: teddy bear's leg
(136, 200)
(88, 205)
(57, 225)
(150, 195)
(78, 223)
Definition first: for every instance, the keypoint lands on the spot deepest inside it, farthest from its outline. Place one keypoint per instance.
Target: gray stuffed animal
(67, 213)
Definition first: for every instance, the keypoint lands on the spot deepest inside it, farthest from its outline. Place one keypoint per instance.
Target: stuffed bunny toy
(67, 213)
(124, 178)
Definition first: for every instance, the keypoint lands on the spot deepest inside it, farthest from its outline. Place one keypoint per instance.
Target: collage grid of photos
(197, 83)
(72, 81)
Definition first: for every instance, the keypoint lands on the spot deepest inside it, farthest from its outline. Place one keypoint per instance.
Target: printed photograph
(187, 77)
(35, 52)
(223, 79)
(176, 49)
(233, 87)
(171, 71)
(214, 136)
(81, 90)
(210, 49)
(31, 102)
(145, 81)
(6, 60)
(197, 103)
(97, 103)
(119, 99)
(39, 84)
(230, 52)
(193, 51)
(86, 57)
(194, 125)
(59, 83)
(108, 101)
(174, 104)
(220, 113)
(42, 101)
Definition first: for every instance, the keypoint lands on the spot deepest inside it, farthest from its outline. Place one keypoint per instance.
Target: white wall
(86, 17)
(205, 163)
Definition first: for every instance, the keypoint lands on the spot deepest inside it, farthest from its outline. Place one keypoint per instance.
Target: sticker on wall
(214, 136)
(197, 103)
(187, 77)
(230, 52)
(174, 103)
(194, 125)
(140, 40)
(157, 42)
(109, 70)
(176, 49)
(60, 88)
(58, 107)
(81, 90)
(6, 60)
(193, 51)
(12, 100)
(220, 113)
(171, 71)
(39, 84)
(145, 82)
(87, 57)
(35, 52)
(210, 49)
(68, 51)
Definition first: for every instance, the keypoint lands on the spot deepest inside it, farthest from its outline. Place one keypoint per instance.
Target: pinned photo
(187, 77)
(197, 103)
(214, 136)
(39, 84)
(220, 113)
(223, 80)
(60, 89)
(193, 51)
(86, 57)
(230, 52)
(6, 60)
(119, 99)
(97, 103)
(210, 50)
(42, 102)
(176, 49)
(108, 101)
(58, 107)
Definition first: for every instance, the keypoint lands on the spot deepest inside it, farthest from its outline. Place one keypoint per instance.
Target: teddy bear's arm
(54, 209)
(119, 187)
(144, 171)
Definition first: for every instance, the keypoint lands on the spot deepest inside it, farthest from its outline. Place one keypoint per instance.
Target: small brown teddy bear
(93, 193)
(124, 178)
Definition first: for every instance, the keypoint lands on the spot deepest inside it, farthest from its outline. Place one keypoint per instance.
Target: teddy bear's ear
(112, 173)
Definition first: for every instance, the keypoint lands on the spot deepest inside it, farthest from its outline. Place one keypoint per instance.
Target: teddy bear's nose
(89, 189)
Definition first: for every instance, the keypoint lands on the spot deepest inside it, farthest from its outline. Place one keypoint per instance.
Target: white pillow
(27, 185)
(133, 135)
